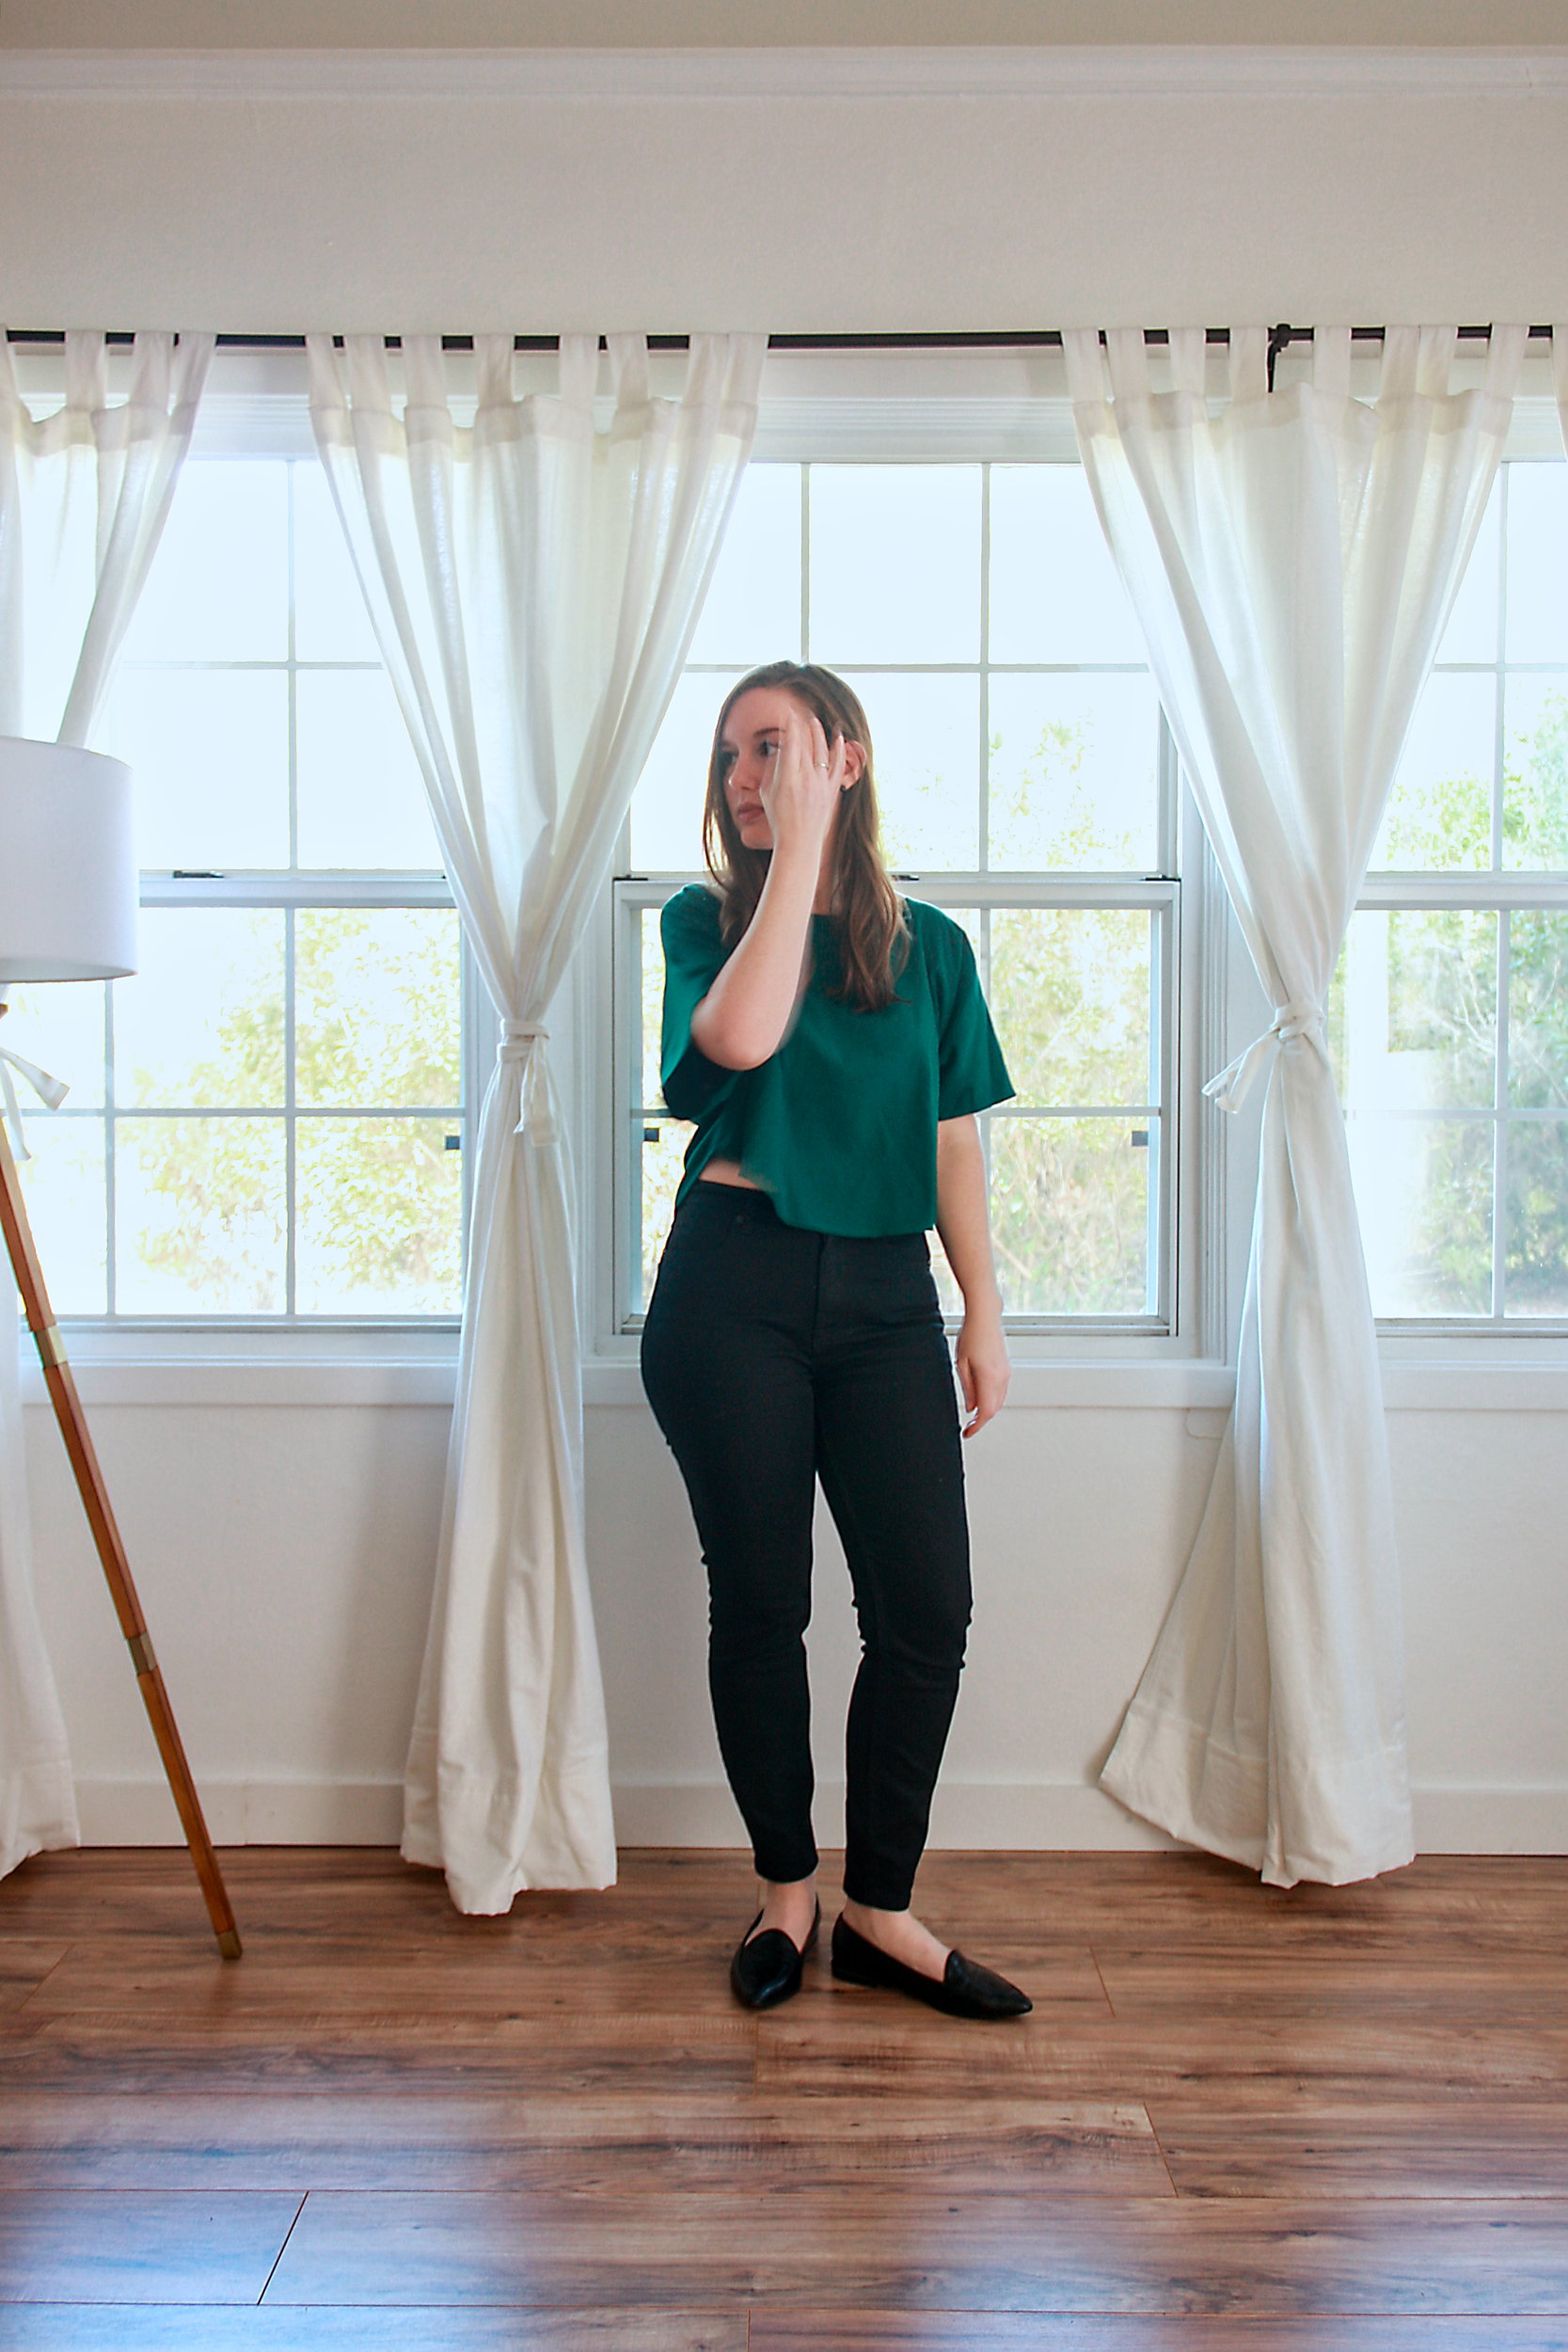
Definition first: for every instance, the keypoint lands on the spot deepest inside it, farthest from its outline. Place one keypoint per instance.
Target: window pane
(63, 1185)
(1070, 996)
(1536, 577)
(1070, 1215)
(895, 563)
(667, 807)
(199, 1213)
(1055, 594)
(377, 1007)
(752, 613)
(200, 1025)
(925, 758)
(1074, 773)
(1535, 773)
(379, 1218)
(1538, 1012)
(1471, 634)
(1413, 1011)
(658, 1147)
(1423, 1189)
(1535, 1272)
(218, 590)
(330, 620)
(650, 1008)
(61, 1027)
(210, 753)
(1439, 814)
(361, 798)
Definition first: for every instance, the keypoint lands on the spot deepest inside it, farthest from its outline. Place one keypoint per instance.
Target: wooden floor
(1238, 2121)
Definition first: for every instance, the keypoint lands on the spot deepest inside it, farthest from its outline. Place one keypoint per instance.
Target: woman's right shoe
(768, 1968)
(964, 1989)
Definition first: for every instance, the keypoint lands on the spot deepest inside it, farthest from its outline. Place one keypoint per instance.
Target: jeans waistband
(743, 1204)
(739, 1201)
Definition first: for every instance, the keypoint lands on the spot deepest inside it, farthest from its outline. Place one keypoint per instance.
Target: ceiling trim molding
(999, 73)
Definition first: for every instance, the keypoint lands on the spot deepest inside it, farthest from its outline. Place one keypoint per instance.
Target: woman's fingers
(984, 1380)
(802, 791)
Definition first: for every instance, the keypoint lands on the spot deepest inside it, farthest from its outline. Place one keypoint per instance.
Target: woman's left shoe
(768, 1968)
(964, 1989)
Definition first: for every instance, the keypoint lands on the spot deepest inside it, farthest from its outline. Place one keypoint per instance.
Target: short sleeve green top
(839, 1127)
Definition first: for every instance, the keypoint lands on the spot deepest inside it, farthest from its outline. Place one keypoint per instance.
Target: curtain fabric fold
(85, 493)
(1291, 558)
(533, 583)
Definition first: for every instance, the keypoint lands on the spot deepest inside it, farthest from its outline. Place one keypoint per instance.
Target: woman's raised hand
(807, 774)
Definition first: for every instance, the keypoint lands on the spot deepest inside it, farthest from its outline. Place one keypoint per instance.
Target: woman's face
(748, 746)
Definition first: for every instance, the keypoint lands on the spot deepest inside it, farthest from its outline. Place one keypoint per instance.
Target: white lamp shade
(68, 870)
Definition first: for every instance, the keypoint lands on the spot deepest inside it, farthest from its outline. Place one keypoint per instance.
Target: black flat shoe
(963, 1990)
(767, 1969)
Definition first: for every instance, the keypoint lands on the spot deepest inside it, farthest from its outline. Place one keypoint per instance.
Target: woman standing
(832, 1044)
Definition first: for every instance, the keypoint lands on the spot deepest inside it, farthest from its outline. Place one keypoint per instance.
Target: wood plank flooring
(1238, 2121)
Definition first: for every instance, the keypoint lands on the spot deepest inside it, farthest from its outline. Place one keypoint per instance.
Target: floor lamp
(67, 912)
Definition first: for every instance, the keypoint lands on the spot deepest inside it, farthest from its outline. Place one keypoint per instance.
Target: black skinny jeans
(773, 1357)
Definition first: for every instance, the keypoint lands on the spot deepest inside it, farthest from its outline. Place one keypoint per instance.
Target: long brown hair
(867, 913)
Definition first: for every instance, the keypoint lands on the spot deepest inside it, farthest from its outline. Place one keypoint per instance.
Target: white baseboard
(977, 1816)
(245, 1812)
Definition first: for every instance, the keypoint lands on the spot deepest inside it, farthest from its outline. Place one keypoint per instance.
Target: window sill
(371, 1368)
(363, 1364)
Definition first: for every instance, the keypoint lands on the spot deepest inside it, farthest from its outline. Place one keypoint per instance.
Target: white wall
(284, 1546)
(283, 1554)
(814, 190)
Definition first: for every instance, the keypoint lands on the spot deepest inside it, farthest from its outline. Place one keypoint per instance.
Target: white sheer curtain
(1293, 558)
(533, 583)
(85, 493)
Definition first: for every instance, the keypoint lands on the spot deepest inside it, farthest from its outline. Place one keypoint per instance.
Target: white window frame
(920, 418)
(1501, 891)
(257, 407)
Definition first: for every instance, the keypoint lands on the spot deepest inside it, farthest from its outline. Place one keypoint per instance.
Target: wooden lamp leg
(111, 1550)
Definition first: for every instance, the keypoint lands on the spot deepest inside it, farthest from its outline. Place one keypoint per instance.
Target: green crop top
(839, 1127)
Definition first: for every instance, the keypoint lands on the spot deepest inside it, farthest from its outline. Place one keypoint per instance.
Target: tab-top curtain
(1293, 558)
(85, 493)
(533, 583)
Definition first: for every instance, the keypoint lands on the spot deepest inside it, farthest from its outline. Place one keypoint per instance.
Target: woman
(832, 1044)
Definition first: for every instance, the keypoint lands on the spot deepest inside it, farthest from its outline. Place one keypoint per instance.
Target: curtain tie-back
(518, 1038)
(49, 1091)
(535, 1117)
(1235, 1082)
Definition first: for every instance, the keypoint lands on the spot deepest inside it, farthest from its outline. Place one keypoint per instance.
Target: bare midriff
(727, 1172)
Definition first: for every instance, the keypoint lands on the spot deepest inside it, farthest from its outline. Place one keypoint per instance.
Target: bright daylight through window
(1450, 1015)
(267, 1121)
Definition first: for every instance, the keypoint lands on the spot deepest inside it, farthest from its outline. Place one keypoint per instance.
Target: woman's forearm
(963, 1211)
(743, 1018)
(963, 1221)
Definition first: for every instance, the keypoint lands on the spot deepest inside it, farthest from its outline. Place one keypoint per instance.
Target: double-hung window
(1026, 786)
(1450, 1013)
(266, 1121)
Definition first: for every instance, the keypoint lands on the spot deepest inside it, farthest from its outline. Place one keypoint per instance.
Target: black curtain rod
(1026, 339)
